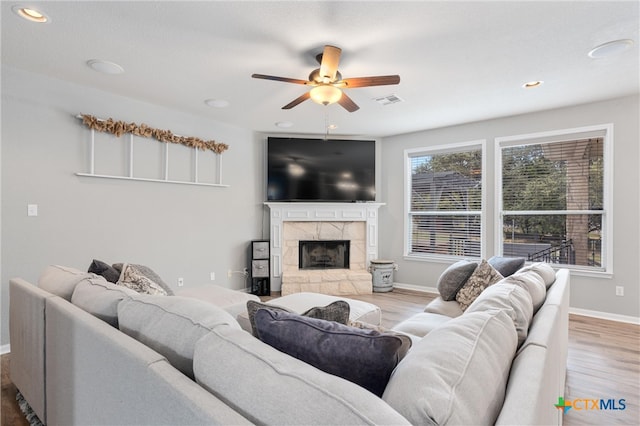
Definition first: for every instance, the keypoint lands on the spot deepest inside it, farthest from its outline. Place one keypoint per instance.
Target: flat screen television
(312, 170)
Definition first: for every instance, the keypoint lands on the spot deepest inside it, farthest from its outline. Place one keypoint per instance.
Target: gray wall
(177, 230)
(589, 293)
(190, 231)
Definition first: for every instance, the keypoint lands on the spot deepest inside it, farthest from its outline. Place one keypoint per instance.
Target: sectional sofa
(85, 351)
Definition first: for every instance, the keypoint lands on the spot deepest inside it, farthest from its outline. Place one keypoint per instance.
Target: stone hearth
(292, 222)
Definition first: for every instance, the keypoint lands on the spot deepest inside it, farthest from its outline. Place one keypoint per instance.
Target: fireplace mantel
(319, 212)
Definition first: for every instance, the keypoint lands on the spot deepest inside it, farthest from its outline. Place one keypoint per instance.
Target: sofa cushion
(506, 265)
(421, 323)
(171, 325)
(453, 278)
(61, 280)
(143, 280)
(439, 306)
(100, 298)
(232, 301)
(337, 311)
(533, 283)
(362, 356)
(109, 273)
(270, 387)
(457, 374)
(511, 298)
(483, 276)
(543, 269)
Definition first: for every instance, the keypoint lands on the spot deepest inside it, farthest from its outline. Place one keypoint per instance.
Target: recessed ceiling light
(532, 84)
(30, 14)
(284, 124)
(217, 103)
(610, 48)
(332, 126)
(105, 67)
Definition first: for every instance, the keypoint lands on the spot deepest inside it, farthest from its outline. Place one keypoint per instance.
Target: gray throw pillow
(482, 277)
(453, 278)
(506, 265)
(109, 273)
(364, 357)
(337, 311)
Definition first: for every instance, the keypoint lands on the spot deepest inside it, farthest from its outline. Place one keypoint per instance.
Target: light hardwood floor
(603, 362)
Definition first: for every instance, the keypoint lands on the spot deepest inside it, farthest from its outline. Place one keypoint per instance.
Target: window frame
(440, 149)
(604, 131)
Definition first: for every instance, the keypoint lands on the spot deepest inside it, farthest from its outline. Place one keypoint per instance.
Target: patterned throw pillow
(482, 277)
(148, 273)
(337, 311)
(132, 277)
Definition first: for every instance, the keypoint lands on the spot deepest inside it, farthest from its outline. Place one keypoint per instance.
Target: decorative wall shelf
(130, 157)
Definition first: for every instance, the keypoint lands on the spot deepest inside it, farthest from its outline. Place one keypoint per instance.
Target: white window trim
(454, 147)
(604, 131)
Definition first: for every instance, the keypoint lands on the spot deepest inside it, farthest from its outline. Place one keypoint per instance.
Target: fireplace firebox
(324, 254)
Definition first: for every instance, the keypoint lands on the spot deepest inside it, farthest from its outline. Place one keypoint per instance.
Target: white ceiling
(458, 61)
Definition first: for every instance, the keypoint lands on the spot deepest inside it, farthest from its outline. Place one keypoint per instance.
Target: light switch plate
(32, 210)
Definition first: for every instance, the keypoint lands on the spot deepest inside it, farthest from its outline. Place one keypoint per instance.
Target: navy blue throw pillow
(362, 356)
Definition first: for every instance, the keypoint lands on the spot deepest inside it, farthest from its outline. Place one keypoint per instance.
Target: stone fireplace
(340, 237)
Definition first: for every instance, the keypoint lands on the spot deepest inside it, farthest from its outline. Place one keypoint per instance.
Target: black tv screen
(336, 170)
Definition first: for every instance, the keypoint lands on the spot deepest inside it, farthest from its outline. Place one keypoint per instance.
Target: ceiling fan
(327, 82)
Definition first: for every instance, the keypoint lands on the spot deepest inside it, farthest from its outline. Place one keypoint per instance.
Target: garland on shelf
(118, 128)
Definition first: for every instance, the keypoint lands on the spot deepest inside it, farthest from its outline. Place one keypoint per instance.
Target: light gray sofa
(87, 352)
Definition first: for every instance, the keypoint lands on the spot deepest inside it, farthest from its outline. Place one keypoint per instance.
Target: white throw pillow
(511, 298)
(533, 283)
(458, 373)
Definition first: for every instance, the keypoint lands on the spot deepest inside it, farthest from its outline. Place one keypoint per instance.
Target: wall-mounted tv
(334, 170)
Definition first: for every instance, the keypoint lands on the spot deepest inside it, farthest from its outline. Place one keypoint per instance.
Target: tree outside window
(445, 202)
(552, 201)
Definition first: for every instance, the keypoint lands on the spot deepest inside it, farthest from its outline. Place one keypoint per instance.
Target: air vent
(388, 100)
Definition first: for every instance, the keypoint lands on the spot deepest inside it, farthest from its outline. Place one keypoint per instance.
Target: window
(444, 201)
(553, 198)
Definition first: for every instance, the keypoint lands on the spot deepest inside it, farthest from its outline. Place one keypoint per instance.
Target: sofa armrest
(95, 374)
(26, 331)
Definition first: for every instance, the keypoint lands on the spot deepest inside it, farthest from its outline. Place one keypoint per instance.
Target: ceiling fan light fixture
(325, 94)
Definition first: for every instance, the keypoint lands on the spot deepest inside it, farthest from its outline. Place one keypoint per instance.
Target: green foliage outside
(531, 182)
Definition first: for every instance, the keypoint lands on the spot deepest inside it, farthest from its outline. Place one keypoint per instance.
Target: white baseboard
(605, 315)
(5, 349)
(576, 311)
(414, 287)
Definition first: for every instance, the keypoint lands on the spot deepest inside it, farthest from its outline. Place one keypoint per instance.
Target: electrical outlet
(229, 273)
(619, 290)
(213, 276)
(180, 282)
(32, 210)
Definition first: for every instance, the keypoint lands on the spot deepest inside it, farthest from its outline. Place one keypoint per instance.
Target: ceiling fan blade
(381, 80)
(297, 101)
(284, 79)
(329, 64)
(347, 103)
